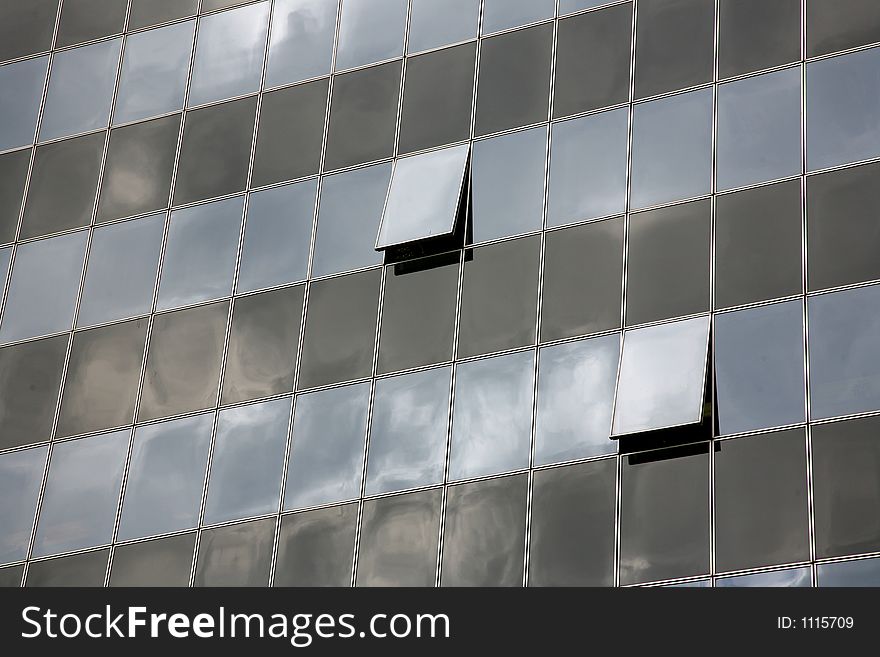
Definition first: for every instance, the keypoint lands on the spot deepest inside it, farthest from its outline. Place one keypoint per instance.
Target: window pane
(756, 34)
(30, 381)
(84, 20)
(843, 109)
(841, 24)
(165, 477)
(363, 116)
(154, 72)
(246, 468)
(664, 519)
(301, 41)
(79, 570)
(759, 367)
(758, 244)
(229, 54)
(484, 533)
(592, 60)
(277, 236)
(668, 262)
(842, 244)
(569, 6)
(163, 562)
(370, 31)
(326, 455)
(82, 491)
(215, 151)
(121, 272)
(674, 45)
(758, 136)
(846, 472)
(437, 98)
(289, 149)
(844, 349)
(435, 23)
(183, 362)
(26, 27)
(583, 277)
(144, 13)
(340, 331)
(102, 379)
(513, 87)
(137, 174)
(21, 475)
(22, 85)
(761, 501)
(408, 433)
(240, 555)
(588, 167)
(81, 88)
(63, 185)
(575, 397)
(399, 537)
(13, 174)
(572, 529)
(672, 149)
(316, 548)
(648, 397)
(348, 219)
(504, 14)
(200, 253)
(865, 572)
(44, 286)
(11, 577)
(263, 341)
(424, 196)
(507, 184)
(492, 416)
(498, 305)
(795, 577)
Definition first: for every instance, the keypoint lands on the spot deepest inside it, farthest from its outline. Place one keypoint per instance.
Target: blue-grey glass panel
(200, 253)
(575, 397)
(21, 474)
(239, 555)
(301, 41)
(844, 347)
(348, 220)
(370, 31)
(424, 196)
(316, 548)
(759, 367)
(154, 71)
(507, 184)
(81, 86)
(166, 477)
(662, 375)
(843, 109)
(277, 236)
(672, 149)
(326, 455)
(408, 433)
(794, 577)
(229, 54)
(82, 492)
(22, 85)
(492, 415)
(246, 468)
(161, 562)
(505, 14)
(26, 27)
(435, 23)
(79, 570)
(588, 167)
(44, 286)
(121, 271)
(864, 572)
(759, 131)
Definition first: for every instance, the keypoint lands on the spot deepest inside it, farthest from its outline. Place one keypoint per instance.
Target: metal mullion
(710, 355)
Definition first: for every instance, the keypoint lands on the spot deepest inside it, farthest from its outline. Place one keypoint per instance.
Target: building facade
(440, 292)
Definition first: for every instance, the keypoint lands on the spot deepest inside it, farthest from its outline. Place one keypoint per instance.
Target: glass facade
(439, 292)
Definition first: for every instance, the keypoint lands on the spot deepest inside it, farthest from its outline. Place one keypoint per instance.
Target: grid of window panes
(208, 375)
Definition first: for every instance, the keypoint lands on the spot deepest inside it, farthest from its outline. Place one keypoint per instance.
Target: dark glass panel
(840, 24)
(144, 13)
(316, 548)
(756, 34)
(13, 175)
(26, 27)
(87, 569)
(162, 562)
(238, 555)
(84, 20)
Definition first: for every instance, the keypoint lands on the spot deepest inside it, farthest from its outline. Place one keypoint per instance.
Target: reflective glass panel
(796, 577)
(84, 20)
(239, 555)
(21, 475)
(316, 548)
(144, 13)
(10, 577)
(301, 41)
(756, 34)
(435, 23)
(162, 562)
(22, 85)
(87, 569)
(26, 27)
(865, 572)
(841, 24)
(13, 175)
(370, 31)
